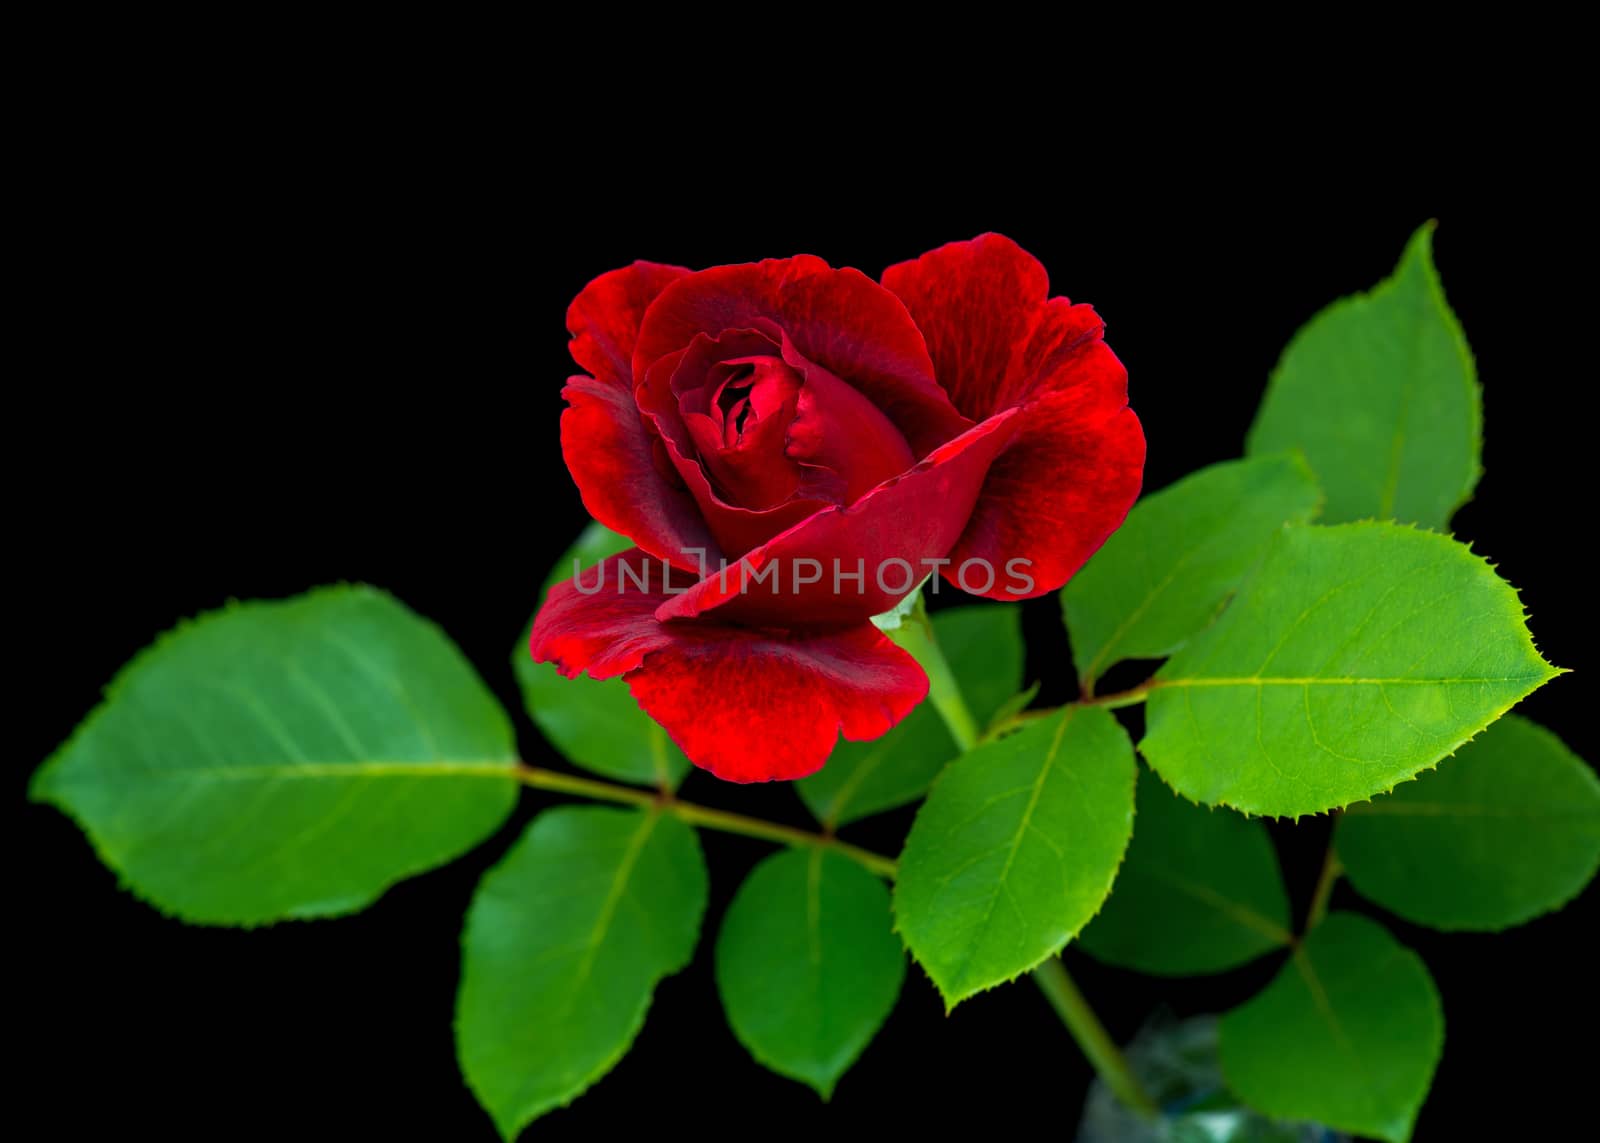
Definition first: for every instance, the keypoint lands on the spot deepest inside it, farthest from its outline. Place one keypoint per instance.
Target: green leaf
(289, 758)
(564, 944)
(1348, 1033)
(808, 964)
(1015, 849)
(1506, 830)
(984, 646)
(1353, 658)
(1200, 891)
(1162, 576)
(595, 723)
(1380, 392)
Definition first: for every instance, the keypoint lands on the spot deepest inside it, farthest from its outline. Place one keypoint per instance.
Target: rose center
(748, 391)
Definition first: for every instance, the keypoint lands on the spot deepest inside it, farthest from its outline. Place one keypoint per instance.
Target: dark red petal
(976, 303)
(1065, 484)
(610, 455)
(741, 445)
(837, 429)
(840, 319)
(999, 342)
(747, 705)
(736, 529)
(915, 517)
(604, 318)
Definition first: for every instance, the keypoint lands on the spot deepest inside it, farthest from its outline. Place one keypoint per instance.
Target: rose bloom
(784, 418)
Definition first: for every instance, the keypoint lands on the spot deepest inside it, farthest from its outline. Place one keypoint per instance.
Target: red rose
(805, 424)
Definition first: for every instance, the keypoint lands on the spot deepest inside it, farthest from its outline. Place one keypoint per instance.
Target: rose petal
(610, 455)
(913, 518)
(976, 303)
(1052, 498)
(604, 318)
(747, 705)
(998, 342)
(737, 529)
(838, 430)
(840, 319)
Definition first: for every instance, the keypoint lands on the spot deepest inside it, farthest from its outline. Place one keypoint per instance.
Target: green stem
(1091, 1035)
(782, 834)
(554, 780)
(915, 635)
(1122, 698)
(1332, 869)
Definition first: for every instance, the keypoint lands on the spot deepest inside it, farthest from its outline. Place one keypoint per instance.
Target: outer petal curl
(747, 705)
(604, 318)
(998, 341)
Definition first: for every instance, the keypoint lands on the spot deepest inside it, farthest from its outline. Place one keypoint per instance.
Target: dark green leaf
(1200, 891)
(1348, 1033)
(808, 964)
(1015, 849)
(1380, 392)
(284, 759)
(1354, 658)
(1162, 576)
(1504, 831)
(595, 723)
(984, 646)
(564, 944)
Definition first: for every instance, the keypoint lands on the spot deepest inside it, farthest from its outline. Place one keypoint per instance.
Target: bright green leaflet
(1504, 831)
(808, 964)
(983, 643)
(564, 944)
(1015, 849)
(1354, 658)
(1162, 576)
(1380, 392)
(1348, 1033)
(1200, 891)
(286, 759)
(595, 723)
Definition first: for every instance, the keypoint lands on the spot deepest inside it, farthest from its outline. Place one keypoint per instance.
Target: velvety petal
(914, 517)
(747, 705)
(604, 318)
(609, 452)
(837, 429)
(840, 319)
(976, 304)
(1000, 343)
(1057, 494)
(741, 439)
(737, 529)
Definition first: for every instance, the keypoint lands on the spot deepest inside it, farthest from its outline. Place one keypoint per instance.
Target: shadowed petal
(748, 705)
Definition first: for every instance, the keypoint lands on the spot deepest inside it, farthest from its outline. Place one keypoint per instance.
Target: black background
(327, 362)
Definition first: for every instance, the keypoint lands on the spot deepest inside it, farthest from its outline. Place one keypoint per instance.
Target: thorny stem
(915, 636)
(541, 779)
(1092, 1037)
